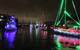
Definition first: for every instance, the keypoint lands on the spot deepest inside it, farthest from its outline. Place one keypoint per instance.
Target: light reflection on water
(10, 37)
(39, 40)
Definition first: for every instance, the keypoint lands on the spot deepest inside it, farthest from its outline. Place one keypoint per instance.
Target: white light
(37, 24)
(2, 16)
(44, 24)
(0, 19)
(31, 26)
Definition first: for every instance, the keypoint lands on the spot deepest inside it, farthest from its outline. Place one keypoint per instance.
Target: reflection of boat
(68, 37)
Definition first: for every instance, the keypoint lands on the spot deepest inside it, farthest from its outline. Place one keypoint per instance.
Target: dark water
(22, 40)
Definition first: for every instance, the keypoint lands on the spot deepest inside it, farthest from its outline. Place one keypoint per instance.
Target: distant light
(37, 24)
(63, 24)
(0, 19)
(2, 16)
(31, 26)
(44, 25)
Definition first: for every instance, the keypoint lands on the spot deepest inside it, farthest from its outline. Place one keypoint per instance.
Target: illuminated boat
(67, 24)
(68, 37)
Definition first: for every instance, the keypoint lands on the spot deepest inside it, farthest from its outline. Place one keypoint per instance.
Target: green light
(76, 27)
(71, 17)
(75, 10)
(60, 20)
(62, 9)
(59, 46)
(59, 12)
(78, 47)
(58, 23)
(67, 13)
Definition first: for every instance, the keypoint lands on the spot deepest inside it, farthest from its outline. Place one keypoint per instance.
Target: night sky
(32, 8)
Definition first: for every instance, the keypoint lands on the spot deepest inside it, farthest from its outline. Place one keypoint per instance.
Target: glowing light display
(63, 14)
(68, 41)
(66, 18)
(10, 31)
(10, 36)
(11, 24)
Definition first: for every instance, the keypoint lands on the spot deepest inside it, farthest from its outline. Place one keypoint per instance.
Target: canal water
(23, 39)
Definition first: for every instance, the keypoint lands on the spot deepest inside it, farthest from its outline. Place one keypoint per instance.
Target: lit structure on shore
(8, 29)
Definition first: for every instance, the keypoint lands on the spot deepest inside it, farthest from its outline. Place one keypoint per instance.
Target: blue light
(10, 36)
(13, 21)
(11, 24)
